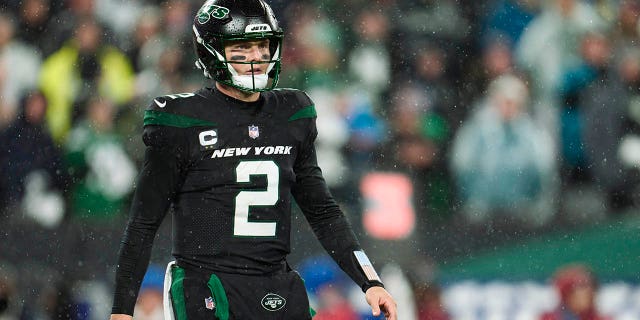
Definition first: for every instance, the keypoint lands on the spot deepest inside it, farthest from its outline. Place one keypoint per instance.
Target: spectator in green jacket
(103, 171)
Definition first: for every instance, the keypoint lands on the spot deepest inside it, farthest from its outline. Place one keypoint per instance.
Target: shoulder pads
(170, 102)
(170, 111)
(301, 105)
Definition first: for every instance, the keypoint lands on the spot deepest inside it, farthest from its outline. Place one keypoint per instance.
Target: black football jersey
(229, 168)
(231, 211)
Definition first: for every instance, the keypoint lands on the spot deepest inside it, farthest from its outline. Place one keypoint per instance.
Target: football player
(228, 159)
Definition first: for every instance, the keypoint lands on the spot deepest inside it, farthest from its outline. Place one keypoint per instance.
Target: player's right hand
(120, 316)
(380, 300)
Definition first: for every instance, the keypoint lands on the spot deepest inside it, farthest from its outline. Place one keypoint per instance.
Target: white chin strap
(251, 82)
(258, 81)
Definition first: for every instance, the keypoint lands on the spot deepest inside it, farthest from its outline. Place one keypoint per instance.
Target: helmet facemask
(215, 65)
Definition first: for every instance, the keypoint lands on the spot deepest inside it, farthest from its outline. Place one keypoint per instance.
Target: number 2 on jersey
(241, 225)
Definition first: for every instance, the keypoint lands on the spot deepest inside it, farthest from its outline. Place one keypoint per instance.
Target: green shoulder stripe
(152, 117)
(306, 112)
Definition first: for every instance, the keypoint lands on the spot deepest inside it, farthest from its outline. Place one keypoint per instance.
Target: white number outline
(180, 95)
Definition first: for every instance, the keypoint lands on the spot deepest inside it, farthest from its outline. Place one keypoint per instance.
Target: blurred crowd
(444, 126)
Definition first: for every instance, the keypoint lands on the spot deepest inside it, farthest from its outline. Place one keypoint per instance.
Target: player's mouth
(255, 71)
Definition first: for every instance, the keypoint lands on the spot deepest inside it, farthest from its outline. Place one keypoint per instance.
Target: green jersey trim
(306, 112)
(152, 117)
(220, 296)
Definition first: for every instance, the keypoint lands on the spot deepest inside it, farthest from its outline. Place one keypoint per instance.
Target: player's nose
(255, 54)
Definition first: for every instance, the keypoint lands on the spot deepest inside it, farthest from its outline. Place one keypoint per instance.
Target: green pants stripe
(177, 293)
(178, 299)
(222, 304)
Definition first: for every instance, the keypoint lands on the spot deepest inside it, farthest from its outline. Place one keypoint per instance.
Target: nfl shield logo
(209, 303)
(254, 132)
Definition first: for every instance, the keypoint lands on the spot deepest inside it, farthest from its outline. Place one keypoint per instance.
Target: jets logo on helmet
(209, 10)
(262, 27)
(219, 22)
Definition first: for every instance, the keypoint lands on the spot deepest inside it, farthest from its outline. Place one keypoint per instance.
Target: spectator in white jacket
(502, 162)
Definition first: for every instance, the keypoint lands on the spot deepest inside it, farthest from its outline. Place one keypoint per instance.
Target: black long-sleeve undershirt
(156, 186)
(325, 217)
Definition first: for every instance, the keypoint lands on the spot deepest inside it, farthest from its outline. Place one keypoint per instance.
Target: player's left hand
(380, 300)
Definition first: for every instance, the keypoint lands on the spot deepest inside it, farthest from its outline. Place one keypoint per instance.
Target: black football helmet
(220, 21)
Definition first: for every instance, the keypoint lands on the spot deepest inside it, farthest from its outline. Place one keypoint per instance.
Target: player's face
(249, 51)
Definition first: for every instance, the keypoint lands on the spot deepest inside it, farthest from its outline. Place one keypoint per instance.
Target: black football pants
(198, 296)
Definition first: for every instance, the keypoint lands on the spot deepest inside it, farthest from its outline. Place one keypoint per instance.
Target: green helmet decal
(209, 10)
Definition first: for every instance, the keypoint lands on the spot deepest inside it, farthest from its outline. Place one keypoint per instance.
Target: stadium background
(395, 84)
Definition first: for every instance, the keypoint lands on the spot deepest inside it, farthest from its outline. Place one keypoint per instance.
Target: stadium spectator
(609, 121)
(506, 20)
(366, 130)
(166, 75)
(103, 179)
(34, 17)
(494, 59)
(576, 286)
(144, 46)
(28, 151)
(176, 20)
(547, 48)
(19, 67)
(315, 46)
(95, 156)
(119, 17)
(579, 85)
(64, 20)
(497, 59)
(369, 60)
(83, 67)
(550, 43)
(431, 73)
(626, 29)
(419, 133)
(502, 162)
(441, 21)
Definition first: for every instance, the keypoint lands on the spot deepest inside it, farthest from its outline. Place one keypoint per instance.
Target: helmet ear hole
(220, 74)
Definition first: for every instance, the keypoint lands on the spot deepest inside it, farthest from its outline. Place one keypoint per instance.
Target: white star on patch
(254, 132)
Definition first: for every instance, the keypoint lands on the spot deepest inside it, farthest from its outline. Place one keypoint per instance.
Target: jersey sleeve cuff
(371, 284)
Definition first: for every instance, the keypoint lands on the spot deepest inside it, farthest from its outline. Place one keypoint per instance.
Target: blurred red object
(388, 212)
